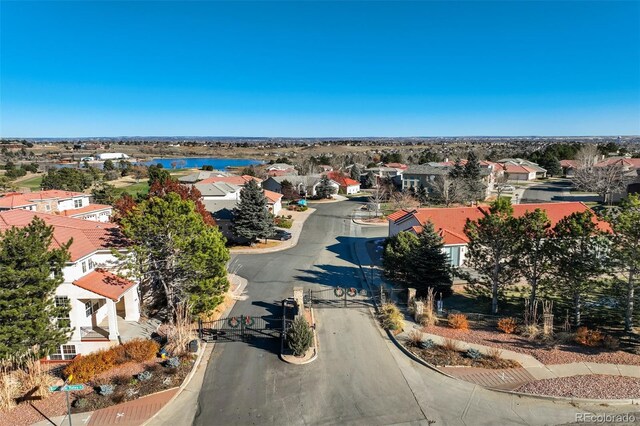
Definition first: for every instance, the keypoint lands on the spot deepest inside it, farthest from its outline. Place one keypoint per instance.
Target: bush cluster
(391, 317)
(87, 367)
(458, 321)
(283, 222)
(507, 325)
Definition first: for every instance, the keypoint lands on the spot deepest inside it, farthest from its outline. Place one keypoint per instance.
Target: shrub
(531, 331)
(474, 354)
(106, 389)
(450, 345)
(611, 343)
(120, 380)
(391, 317)
(427, 344)
(587, 337)
(428, 319)
(81, 403)
(283, 222)
(141, 350)
(144, 376)
(415, 338)
(173, 362)
(507, 325)
(299, 336)
(458, 321)
(118, 397)
(494, 353)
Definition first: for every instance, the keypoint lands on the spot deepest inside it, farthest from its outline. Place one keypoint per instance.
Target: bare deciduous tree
(404, 201)
(446, 189)
(378, 196)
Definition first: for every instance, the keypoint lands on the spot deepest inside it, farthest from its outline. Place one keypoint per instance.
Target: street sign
(66, 388)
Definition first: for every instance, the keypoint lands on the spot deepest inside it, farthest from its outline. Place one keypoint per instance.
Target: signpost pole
(68, 407)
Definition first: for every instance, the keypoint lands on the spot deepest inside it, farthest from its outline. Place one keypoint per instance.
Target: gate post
(345, 297)
(242, 327)
(200, 328)
(382, 296)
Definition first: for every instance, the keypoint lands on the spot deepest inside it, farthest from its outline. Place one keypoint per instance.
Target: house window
(84, 267)
(62, 301)
(47, 207)
(77, 203)
(92, 264)
(65, 352)
(454, 255)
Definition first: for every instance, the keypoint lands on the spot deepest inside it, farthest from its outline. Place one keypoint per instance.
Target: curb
(632, 401)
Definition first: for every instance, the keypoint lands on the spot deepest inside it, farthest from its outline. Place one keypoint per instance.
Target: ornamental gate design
(240, 329)
(339, 297)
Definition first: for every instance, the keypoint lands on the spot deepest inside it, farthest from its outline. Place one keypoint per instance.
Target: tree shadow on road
(331, 275)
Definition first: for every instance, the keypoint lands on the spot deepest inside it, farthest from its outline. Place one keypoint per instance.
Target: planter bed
(546, 353)
(442, 357)
(591, 387)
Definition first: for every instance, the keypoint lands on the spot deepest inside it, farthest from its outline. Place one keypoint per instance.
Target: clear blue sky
(319, 69)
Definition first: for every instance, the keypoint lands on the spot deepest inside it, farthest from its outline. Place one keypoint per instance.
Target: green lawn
(134, 188)
(33, 183)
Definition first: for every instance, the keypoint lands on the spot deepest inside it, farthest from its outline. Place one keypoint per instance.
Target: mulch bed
(591, 386)
(440, 357)
(129, 389)
(546, 353)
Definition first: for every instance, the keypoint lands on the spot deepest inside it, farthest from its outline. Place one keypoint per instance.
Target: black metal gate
(239, 328)
(339, 297)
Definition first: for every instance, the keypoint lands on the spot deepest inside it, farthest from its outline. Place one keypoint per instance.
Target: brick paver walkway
(507, 378)
(132, 413)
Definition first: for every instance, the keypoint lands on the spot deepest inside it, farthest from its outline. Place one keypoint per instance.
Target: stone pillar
(298, 297)
(419, 310)
(113, 320)
(411, 296)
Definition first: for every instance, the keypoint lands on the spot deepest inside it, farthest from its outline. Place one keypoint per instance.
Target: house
(218, 191)
(305, 186)
(519, 169)
(568, 167)
(232, 179)
(103, 305)
(64, 203)
(274, 201)
(347, 185)
(449, 223)
(112, 156)
(281, 169)
(421, 175)
(201, 175)
(400, 168)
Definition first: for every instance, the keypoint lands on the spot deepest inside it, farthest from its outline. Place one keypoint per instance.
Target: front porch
(128, 330)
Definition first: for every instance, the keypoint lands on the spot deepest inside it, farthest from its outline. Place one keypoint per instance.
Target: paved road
(359, 377)
(555, 190)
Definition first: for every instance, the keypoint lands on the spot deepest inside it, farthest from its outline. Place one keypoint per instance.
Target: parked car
(281, 235)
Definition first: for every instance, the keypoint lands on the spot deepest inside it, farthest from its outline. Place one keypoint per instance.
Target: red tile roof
(105, 284)
(450, 222)
(272, 197)
(236, 180)
(569, 164)
(88, 236)
(17, 199)
(397, 166)
(517, 168)
(341, 179)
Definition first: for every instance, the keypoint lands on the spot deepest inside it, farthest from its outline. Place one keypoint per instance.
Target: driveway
(360, 377)
(555, 190)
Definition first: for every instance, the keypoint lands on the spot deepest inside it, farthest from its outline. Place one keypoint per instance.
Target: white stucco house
(65, 203)
(101, 302)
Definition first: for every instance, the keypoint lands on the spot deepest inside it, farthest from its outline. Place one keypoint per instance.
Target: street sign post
(67, 388)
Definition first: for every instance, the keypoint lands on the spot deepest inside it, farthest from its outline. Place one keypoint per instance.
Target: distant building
(112, 156)
(347, 185)
(519, 169)
(201, 175)
(281, 169)
(63, 203)
(305, 186)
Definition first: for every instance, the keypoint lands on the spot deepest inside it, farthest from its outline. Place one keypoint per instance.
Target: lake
(198, 162)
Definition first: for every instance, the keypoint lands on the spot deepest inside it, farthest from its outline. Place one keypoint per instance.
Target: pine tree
(395, 257)
(475, 187)
(576, 248)
(177, 256)
(299, 336)
(626, 251)
(355, 173)
(429, 264)
(30, 273)
(490, 252)
(251, 218)
(324, 188)
(104, 193)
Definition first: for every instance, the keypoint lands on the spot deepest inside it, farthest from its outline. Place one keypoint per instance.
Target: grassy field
(133, 189)
(32, 183)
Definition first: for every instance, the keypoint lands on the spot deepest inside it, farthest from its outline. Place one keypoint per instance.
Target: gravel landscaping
(547, 353)
(592, 387)
(441, 357)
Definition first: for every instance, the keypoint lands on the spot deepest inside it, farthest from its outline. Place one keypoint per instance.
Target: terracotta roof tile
(272, 197)
(105, 284)
(86, 209)
(235, 180)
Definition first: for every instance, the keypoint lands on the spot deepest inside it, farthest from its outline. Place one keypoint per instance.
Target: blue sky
(71, 69)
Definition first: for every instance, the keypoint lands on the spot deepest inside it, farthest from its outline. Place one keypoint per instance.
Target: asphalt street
(360, 377)
(555, 190)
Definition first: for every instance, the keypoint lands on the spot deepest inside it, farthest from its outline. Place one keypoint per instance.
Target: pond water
(198, 162)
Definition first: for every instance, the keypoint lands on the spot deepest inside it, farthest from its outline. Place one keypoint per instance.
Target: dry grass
(494, 353)
(19, 376)
(391, 317)
(451, 345)
(180, 333)
(415, 337)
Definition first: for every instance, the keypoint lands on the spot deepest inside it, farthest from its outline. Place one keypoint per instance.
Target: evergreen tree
(104, 193)
(157, 173)
(429, 265)
(533, 258)
(551, 164)
(251, 218)
(626, 251)
(299, 336)
(475, 186)
(355, 173)
(369, 180)
(30, 273)
(288, 191)
(576, 248)
(67, 179)
(324, 188)
(108, 165)
(177, 256)
(422, 195)
(395, 257)
(490, 252)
